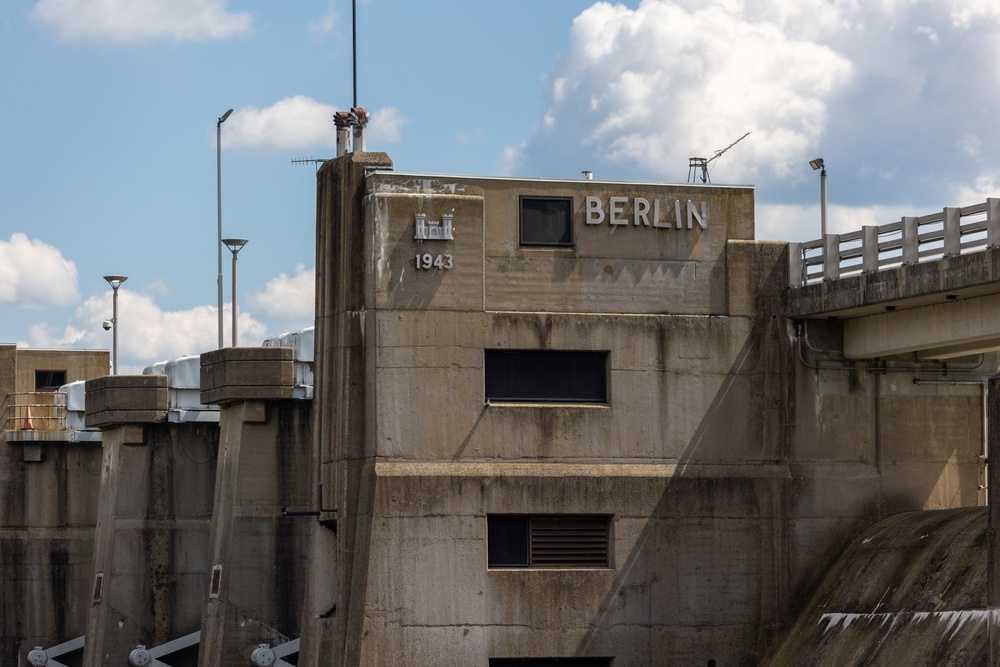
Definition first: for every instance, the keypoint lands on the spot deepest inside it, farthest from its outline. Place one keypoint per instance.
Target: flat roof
(415, 174)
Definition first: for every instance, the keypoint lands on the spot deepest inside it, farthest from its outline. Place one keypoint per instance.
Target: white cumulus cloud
(35, 275)
(300, 122)
(146, 333)
(896, 95)
(133, 21)
(654, 86)
(288, 297)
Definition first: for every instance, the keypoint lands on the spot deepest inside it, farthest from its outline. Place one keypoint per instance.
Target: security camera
(107, 325)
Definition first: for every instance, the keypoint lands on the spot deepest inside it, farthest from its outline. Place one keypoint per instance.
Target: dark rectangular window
(550, 662)
(546, 221)
(516, 540)
(547, 376)
(49, 380)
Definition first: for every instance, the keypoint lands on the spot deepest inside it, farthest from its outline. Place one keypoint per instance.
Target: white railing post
(869, 246)
(952, 231)
(831, 256)
(795, 276)
(911, 241)
(993, 222)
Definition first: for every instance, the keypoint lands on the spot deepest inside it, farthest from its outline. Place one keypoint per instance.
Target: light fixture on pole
(818, 164)
(115, 282)
(218, 183)
(235, 245)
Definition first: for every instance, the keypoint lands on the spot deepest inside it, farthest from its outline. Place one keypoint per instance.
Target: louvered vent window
(547, 541)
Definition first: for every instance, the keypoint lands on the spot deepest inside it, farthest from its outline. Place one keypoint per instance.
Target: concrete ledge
(975, 274)
(126, 399)
(247, 374)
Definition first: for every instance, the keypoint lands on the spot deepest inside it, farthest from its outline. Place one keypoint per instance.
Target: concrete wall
(685, 455)
(735, 466)
(78, 365)
(48, 509)
(871, 439)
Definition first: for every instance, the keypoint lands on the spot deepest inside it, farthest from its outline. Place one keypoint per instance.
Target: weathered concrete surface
(151, 541)
(955, 328)
(264, 466)
(907, 591)
(734, 470)
(432, 593)
(126, 399)
(696, 409)
(941, 309)
(993, 527)
(18, 366)
(47, 515)
(974, 274)
(246, 374)
(336, 563)
(868, 442)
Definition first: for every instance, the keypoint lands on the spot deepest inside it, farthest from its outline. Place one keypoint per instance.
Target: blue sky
(108, 111)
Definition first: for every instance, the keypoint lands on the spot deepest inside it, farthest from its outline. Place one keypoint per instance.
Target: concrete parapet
(126, 399)
(247, 374)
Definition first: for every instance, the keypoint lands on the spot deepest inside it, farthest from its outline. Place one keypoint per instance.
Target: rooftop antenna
(696, 164)
(310, 160)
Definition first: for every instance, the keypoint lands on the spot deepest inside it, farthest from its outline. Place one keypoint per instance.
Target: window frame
(522, 242)
(529, 376)
(52, 375)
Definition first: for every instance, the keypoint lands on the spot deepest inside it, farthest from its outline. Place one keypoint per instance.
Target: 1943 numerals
(429, 261)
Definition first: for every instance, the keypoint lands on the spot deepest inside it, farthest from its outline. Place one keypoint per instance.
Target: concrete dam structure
(538, 423)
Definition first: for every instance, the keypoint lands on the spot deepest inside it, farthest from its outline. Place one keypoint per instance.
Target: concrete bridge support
(48, 508)
(262, 507)
(151, 539)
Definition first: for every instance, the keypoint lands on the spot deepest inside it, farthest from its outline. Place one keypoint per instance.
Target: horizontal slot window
(546, 376)
(515, 540)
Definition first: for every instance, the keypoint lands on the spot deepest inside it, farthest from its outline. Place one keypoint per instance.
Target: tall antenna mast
(354, 44)
(351, 122)
(696, 164)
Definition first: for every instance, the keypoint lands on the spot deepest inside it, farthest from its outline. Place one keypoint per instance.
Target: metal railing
(34, 411)
(953, 231)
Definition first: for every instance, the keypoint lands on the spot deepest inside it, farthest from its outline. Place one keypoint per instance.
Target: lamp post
(235, 245)
(818, 164)
(115, 282)
(218, 182)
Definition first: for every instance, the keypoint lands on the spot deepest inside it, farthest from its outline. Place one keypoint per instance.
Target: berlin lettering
(645, 213)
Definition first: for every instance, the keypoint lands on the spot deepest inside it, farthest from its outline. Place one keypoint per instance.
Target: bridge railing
(953, 231)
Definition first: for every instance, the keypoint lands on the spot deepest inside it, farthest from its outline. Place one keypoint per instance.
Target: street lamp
(818, 164)
(218, 182)
(235, 245)
(115, 282)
